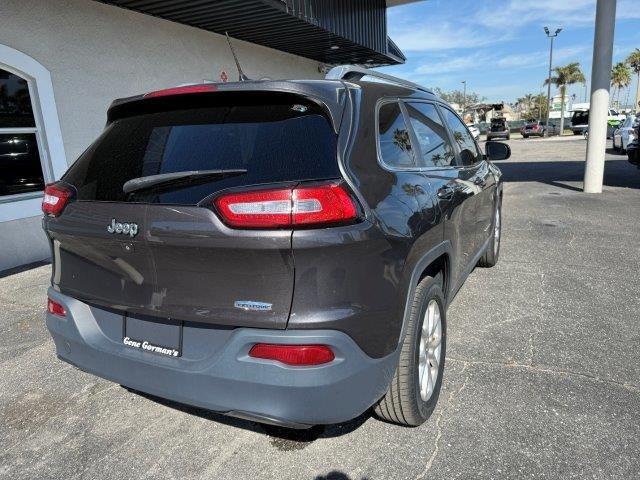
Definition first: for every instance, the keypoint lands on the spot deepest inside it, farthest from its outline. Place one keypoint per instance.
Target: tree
(457, 96)
(620, 78)
(567, 75)
(634, 62)
(526, 103)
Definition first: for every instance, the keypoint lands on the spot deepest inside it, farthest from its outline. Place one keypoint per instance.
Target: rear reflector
(200, 88)
(299, 355)
(56, 197)
(55, 308)
(279, 208)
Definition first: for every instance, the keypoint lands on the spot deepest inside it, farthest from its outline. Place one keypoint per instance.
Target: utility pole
(600, 84)
(551, 37)
(464, 97)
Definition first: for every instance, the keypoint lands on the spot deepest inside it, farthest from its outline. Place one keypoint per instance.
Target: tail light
(280, 208)
(56, 197)
(55, 308)
(199, 88)
(298, 355)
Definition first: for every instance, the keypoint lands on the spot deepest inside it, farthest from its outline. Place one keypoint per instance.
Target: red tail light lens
(299, 355)
(280, 208)
(55, 308)
(200, 88)
(56, 197)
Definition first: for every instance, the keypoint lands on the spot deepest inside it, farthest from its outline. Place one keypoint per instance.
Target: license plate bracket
(159, 336)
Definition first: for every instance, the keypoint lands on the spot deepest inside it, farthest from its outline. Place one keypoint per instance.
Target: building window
(20, 164)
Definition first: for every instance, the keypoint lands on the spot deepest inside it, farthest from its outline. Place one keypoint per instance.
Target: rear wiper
(176, 178)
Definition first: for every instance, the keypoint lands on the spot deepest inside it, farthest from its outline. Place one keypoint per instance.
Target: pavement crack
(543, 369)
(436, 448)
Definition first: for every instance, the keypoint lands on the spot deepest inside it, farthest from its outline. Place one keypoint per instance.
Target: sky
(499, 46)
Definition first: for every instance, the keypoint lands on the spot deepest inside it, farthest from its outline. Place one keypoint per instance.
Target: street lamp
(464, 96)
(551, 37)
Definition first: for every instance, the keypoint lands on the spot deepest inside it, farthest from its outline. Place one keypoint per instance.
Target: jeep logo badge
(130, 229)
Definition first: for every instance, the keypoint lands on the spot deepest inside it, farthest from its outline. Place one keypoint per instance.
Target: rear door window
(435, 148)
(393, 137)
(275, 142)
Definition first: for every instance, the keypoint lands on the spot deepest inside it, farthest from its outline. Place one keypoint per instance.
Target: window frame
(403, 111)
(53, 158)
(415, 145)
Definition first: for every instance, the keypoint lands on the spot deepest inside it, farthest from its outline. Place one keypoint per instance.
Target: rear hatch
(161, 249)
(580, 118)
(498, 125)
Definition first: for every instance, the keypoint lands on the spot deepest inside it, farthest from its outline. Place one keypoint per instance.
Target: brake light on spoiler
(315, 205)
(186, 89)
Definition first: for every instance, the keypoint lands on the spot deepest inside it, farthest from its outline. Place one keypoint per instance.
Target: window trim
(381, 162)
(47, 129)
(401, 101)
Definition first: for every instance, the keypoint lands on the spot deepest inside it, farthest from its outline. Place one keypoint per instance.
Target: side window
(435, 147)
(469, 152)
(395, 144)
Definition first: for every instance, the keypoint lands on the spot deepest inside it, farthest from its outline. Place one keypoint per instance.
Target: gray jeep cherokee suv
(281, 251)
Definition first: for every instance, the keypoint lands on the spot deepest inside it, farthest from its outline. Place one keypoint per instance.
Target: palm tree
(620, 78)
(567, 75)
(634, 62)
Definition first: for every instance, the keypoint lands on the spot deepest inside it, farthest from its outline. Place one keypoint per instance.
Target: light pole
(551, 37)
(464, 96)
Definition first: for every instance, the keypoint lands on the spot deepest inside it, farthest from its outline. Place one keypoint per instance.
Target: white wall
(97, 52)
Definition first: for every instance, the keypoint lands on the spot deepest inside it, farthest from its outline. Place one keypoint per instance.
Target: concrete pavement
(542, 378)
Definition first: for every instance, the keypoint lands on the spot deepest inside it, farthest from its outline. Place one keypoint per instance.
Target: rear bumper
(216, 373)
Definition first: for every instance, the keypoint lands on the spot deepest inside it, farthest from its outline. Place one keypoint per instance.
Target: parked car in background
(475, 131)
(579, 122)
(499, 129)
(538, 128)
(633, 147)
(625, 133)
(174, 237)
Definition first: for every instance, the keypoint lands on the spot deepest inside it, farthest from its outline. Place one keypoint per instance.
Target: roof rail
(344, 72)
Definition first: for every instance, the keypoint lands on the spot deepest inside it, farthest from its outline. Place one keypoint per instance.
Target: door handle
(445, 192)
(479, 181)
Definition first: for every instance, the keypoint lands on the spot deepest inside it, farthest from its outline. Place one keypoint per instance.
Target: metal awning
(329, 31)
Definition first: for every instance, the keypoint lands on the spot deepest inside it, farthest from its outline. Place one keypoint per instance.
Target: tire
(405, 403)
(508, 137)
(491, 256)
(577, 132)
(525, 136)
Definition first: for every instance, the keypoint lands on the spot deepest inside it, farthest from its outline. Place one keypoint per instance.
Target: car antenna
(241, 76)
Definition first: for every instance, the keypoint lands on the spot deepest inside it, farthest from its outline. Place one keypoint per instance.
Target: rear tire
(409, 400)
(525, 136)
(491, 256)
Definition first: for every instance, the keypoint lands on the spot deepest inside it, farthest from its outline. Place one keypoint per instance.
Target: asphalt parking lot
(542, 379)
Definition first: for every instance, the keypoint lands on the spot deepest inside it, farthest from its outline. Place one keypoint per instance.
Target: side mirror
(497, 150)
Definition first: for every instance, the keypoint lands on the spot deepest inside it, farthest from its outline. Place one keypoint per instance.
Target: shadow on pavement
(617, 173)
(281, 437)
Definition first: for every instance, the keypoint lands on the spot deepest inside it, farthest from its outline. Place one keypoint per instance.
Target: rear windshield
(580, 118)
(278, 142)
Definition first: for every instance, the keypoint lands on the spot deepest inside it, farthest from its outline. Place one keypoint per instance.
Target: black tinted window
(15, 102)
(395, 144)
(20, 169)
(274, 143)
(469, 152)
(435, 148)
(580, 118)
